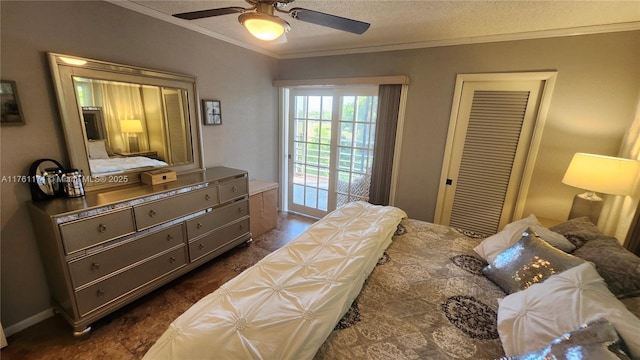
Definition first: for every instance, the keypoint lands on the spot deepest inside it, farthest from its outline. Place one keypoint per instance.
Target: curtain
(387, 123)
(121, 101)
(617, 217)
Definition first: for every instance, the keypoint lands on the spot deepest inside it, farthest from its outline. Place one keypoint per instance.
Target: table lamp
(132, 128)
(598, 173)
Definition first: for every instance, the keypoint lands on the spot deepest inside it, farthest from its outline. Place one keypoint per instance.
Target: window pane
(325, 132)
(313, 152)
(298, 152)
(348, 108)
(346, 133)
(299, 130)
(323, 200)
(311, 196)
(313, 131)
(327, 107)
(314, 107)
(298, 194)
(300, 110)
(325, 155)
(323, 180)
(298, 174)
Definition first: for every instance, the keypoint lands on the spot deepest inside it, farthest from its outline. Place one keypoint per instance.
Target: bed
(366, 282)
(104, 162)
(119, 164)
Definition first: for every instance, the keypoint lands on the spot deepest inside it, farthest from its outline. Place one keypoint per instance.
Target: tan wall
(241, 79)
(592, 105)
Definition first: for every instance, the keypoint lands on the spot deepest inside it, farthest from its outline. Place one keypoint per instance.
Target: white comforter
(119, 164)
(286, 305)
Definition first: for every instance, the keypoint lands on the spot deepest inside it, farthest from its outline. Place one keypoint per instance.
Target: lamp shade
(264, 26)
(131, 126)
(603, 174)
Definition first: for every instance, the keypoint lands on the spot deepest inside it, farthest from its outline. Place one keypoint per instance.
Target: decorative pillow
(597, 340)
(490, 247)
(97, 150)
(619, 267)
(530, 260)
(578, 231)
(531, 318)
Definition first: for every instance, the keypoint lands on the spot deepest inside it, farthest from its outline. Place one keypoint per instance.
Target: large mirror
(121, 120)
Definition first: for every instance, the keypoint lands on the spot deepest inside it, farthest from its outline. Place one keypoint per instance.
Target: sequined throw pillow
(530, 260)
(597, 340)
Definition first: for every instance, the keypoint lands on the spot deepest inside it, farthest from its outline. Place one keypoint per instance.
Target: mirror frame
(65, 67)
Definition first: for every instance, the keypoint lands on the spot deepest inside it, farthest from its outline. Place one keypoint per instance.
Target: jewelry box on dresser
(108, 248)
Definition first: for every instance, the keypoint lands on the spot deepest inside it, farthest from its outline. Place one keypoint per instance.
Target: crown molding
(583, 30)
(185, 24)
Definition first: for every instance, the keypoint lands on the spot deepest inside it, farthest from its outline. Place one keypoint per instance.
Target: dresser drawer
(217, 239)
(217, 218)
(156, 212)
(101, 293)
(81, 234)
(233, 189)
(93, 267)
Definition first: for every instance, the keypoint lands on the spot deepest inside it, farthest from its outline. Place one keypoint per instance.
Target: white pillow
(490, 247)
(529, 319)
(97, 150)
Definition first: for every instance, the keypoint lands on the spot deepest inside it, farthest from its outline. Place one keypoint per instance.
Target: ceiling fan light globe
(263, 26)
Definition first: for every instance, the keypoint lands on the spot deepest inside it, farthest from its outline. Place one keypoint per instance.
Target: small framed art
(212, 112)
(11, 112)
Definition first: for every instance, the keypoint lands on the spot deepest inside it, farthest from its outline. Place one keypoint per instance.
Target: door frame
(549, 79)
(284, 87)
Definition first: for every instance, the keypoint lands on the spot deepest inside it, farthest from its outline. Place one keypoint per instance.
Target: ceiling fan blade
(193, 15)
(328, 20)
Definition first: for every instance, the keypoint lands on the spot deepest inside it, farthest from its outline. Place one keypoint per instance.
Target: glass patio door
(331, 139)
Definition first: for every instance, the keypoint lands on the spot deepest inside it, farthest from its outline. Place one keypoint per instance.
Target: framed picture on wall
(212, 113)
(11, 112)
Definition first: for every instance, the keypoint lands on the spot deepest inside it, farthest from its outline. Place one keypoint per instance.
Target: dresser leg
(83, 332)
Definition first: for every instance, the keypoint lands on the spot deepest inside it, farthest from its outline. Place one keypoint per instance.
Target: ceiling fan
(261, 22)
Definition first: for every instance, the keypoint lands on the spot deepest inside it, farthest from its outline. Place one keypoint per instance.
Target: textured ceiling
(403, 24)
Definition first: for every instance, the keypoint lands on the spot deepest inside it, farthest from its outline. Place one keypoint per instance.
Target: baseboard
(32, 320)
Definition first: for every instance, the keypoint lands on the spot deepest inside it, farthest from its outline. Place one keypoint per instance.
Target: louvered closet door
(491, 142)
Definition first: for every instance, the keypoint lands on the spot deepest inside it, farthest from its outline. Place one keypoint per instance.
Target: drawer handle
(241, 227)
(100, 293)
(169, 237)
(102, 228)
(199, 225)
(234, 189)
(172, 259)
(152, 213)
(241, 209)
(207, 197)
(95, 266)
(200, 246)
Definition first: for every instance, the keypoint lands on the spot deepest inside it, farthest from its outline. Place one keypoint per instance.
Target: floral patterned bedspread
(426, 299)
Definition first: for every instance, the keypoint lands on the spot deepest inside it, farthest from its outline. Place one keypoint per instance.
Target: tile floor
(129, 332)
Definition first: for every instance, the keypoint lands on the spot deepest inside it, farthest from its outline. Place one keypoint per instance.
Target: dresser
(108, 248)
